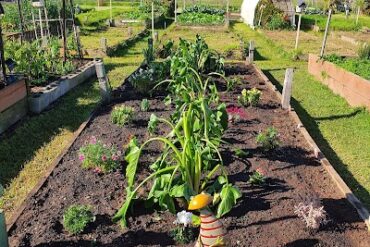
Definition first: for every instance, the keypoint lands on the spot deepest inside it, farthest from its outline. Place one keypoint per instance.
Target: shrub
(122, 115)
(277, 22)
(269, 139)
(77, 217)
(99, 156)
(312, 213)
(249, 97)
(144, 106)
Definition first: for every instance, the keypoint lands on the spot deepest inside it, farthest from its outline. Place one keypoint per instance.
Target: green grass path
(342, 132)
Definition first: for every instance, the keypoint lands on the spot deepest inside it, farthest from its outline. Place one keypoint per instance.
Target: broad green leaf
(132, 158)
(229, 196)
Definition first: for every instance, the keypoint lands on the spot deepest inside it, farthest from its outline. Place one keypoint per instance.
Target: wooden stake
(325, 34)
(153, 21)
(298, 30)
(21, 19)
(76, 31)
(104, 44)
(105, 89)
(47, 21)
(287, 89)
(34, 24)
(175, 11)
(64, 32)
(358, 14)
(41, 26)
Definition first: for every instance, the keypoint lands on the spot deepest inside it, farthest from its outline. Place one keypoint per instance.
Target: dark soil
(264, 216)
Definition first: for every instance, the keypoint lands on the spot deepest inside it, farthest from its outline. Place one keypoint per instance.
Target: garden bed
(264, 216)
(13, 104)
(41, 97)
(355, 89)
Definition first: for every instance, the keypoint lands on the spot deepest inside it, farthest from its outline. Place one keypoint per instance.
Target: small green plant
(77, 217)
(144, 106)
(122, 115)
(230, 84)
(277, 22)
(183, 234)
(249, 97)
(269, 140)
(149, 55)
(241, 153)
(258, 177)
(96, 155)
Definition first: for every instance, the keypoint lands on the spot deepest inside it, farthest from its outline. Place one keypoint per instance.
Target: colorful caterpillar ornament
(212, 232)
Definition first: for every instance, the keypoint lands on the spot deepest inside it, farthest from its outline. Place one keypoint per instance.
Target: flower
(184, 218)
(236, 112)
(81, 157)
(114, 157)
(104, 158)
(92, 140)
(261, 171)
(98, 170)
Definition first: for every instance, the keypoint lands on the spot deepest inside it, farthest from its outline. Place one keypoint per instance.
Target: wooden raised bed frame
(355, 89)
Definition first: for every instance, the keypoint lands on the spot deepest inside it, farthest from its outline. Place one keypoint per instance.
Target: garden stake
(287, 88)
(325, 34)
(251, 51)
(105, 89)
(212, 231)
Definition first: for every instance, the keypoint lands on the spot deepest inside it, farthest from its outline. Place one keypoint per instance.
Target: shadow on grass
(312, 127)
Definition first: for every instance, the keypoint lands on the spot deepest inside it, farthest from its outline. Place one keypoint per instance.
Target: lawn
(339, 129)
(338, 21)
(31, 148)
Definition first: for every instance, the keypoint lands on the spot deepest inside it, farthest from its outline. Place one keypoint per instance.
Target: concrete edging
(40, 101)
(342, 186)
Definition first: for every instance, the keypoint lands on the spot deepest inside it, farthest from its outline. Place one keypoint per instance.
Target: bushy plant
(200, 19)
(363, 51)
(249, 97)
(235, 114)
(269, 139)
(95, 154)
(122, 115)
(77, 217)
(312, 213)
(144, 105)
(258, 177)
(182, 233)
(277, 22)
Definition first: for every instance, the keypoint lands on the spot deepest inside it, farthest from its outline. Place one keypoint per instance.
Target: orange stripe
(210, 229)
(217, 236)
(205, 216)
(209, 222)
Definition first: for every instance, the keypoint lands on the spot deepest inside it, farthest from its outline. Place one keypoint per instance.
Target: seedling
(77, 217)
(144, 106)
(241, 153)
(122, 115)
(182, 234)
(269, 140)
(249, 97)
(258, 177)
(312, 213)
(235, 114)
(99, 156)
(231, 83)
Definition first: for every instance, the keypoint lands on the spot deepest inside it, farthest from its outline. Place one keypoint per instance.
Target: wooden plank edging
(48, 172)
(342, 186)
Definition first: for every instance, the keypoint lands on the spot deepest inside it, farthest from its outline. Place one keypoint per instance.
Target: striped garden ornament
(212, 232)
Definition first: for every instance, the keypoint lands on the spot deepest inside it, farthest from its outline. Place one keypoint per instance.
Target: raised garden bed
(355, 89)
(13, 104)
(264, 216)
(41, 97)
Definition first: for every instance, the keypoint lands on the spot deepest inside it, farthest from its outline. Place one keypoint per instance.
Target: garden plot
(263, 216)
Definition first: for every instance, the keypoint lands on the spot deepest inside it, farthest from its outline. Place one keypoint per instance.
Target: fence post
(104, 44)
(105, 89)
(287, 89)
(3, 233)
(325, 34)
(251, 51)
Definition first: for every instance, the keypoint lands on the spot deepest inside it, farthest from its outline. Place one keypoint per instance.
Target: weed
(122, 115)
(312, 213)
(77, 217)
(269, 140)
(258, 177)
(144, 106)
